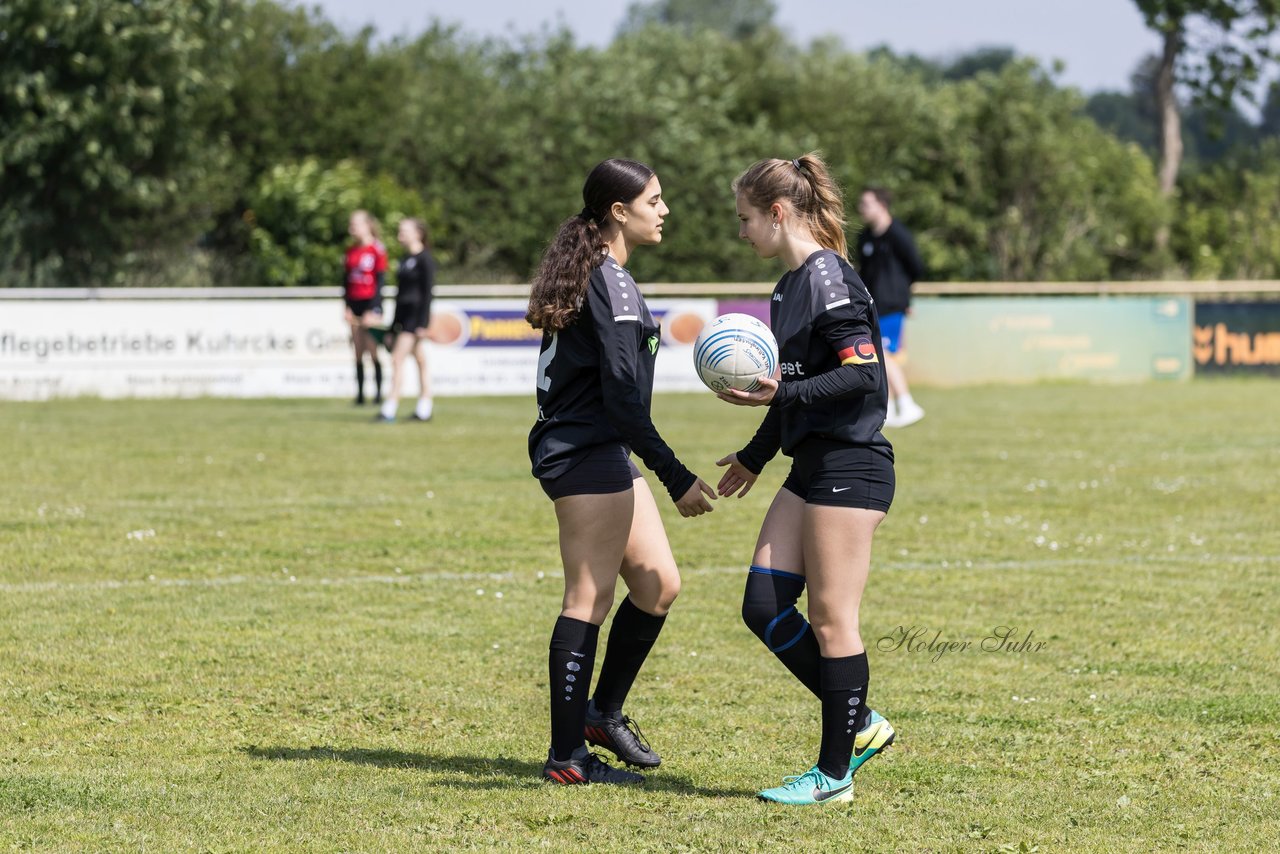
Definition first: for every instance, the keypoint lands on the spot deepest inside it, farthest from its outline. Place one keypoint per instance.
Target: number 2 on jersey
(544, 363)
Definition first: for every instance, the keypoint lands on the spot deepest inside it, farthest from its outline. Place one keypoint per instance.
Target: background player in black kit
(826, 413)
(595, 385)
(415, 279)
(890, 264)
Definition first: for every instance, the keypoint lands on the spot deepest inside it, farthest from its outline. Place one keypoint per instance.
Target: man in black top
(890, 264)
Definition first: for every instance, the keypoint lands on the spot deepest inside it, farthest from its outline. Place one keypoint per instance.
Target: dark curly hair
(560, 284)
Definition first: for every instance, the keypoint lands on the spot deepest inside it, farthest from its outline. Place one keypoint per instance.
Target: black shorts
(361, 307)
(826, 471)
(604, 469)
(411, 316)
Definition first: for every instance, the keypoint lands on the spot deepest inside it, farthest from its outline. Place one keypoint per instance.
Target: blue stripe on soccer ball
(735, 350)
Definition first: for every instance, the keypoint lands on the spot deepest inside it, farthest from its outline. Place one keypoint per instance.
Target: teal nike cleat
(811, 787)
(870, 740)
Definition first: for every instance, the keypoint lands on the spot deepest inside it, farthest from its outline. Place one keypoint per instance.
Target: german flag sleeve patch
(861, 352)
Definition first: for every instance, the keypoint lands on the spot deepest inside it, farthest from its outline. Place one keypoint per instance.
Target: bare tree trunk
(1170, 120)
(1170, 124)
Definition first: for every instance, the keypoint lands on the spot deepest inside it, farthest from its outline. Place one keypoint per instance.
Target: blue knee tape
(770, 602)
(768, 632)
(764, 570)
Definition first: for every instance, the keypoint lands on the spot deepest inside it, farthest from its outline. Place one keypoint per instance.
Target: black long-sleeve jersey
(595, 383)
(830, 357)
(890, 264)
(415, 279)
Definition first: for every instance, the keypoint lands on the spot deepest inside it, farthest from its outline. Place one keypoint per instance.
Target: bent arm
(623, 400)
(765, 444)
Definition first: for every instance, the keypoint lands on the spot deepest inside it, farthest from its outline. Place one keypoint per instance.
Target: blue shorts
(891, 331)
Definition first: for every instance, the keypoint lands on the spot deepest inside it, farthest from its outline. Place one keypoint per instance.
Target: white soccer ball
(735, 351)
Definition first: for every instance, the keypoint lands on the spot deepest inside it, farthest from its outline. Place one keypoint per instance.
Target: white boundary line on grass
(234, 580)
(282, 580)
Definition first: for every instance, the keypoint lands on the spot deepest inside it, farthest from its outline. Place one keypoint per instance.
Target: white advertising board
(279, 348)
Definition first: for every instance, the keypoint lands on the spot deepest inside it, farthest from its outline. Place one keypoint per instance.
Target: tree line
(222, 142)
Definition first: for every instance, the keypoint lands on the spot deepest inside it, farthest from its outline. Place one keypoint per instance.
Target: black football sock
(844, 694)
(571, 659)
(377, 380)
(359, 379)
(769, 610)
(631, 636)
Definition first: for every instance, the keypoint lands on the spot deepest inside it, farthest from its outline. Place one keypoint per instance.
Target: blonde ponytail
(807, 183)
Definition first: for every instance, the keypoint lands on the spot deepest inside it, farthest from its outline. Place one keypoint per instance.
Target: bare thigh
(358, 338)
(420, 355)
(837, 559)
(648, 566)
(781, 543)
(404, 345)
(594, 530)
(895, 375)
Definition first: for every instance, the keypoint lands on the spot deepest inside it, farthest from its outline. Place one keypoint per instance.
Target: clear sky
(1099, 41)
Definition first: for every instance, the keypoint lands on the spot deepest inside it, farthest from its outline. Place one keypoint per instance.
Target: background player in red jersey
(366, 267)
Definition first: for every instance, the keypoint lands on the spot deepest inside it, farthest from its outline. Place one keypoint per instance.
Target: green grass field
(273, 626)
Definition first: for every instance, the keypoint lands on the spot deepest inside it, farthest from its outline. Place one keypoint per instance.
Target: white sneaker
(908, 414)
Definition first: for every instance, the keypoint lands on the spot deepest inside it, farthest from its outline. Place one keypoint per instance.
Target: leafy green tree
(1121, 114)
(304, 88)
(108, 142)
(1040, 192)
(507, 175)
(466, 137)
(1132, 115)
(974, 62)
(1269, 123)
(1208, 133)
(1229, 222)
(301, 88)
(299, 213)
(1000, 174)
(1215, 48)
(737, 19)
(256, 127)
(695, 123)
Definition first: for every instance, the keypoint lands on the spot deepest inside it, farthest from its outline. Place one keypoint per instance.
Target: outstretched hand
(694, 502)
(762, 396)
(736, 477)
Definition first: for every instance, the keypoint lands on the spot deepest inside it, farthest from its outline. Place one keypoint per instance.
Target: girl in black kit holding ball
(594, 388)
(825, 411)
